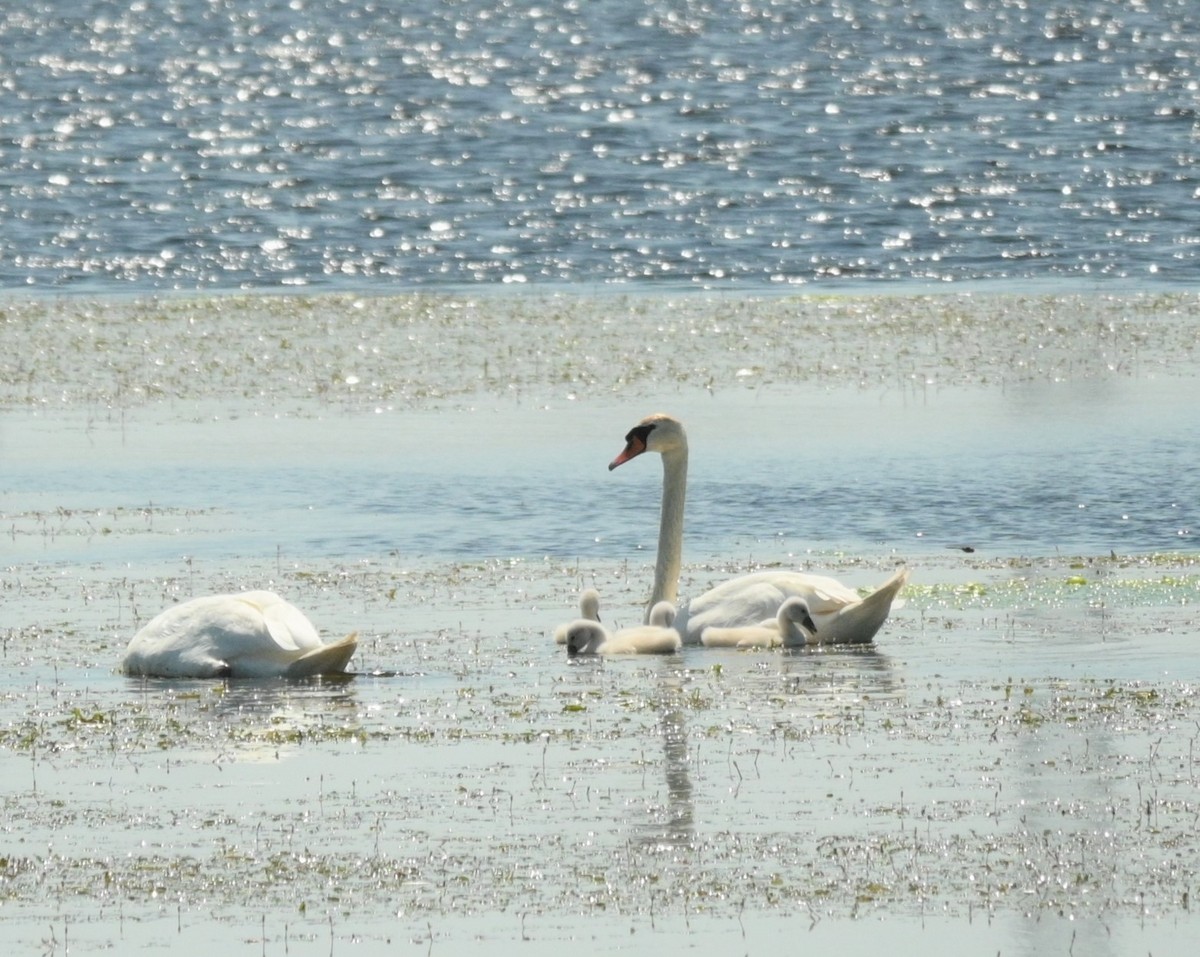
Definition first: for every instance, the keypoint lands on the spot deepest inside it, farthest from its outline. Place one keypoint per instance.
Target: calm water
(258, 143)
(1078, 469)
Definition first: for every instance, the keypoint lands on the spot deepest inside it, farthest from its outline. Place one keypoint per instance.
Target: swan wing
(284, 623)
(858, 623)
(248, 635)
(750, 599)
(193, 639)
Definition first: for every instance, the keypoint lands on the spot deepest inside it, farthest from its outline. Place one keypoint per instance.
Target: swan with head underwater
(840, 615)
(255, 634)
(656, 637)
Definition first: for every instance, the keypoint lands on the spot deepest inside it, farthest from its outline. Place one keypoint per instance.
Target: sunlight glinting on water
(258, 144)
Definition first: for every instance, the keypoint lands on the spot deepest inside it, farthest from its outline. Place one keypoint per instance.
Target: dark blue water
(351, 143)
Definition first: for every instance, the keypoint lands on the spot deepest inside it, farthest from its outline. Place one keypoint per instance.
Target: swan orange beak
(635, 445)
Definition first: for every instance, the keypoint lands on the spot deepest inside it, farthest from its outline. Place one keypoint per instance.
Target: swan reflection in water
(809, 677)
(675, 825)
(839, 670)
(251, 720)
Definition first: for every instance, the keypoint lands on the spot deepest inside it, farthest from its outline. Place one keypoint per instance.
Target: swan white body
(589, 610)
(840, 614)
(792, 627)
(255, 634)
(657, 637)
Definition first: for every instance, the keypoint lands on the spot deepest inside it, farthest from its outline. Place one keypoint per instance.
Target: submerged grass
(836, 782)
(290, 351)
(1069, 801)
(951, 773)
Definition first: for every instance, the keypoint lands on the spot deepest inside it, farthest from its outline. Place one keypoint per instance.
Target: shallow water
(1029, 425)
(1012, 765)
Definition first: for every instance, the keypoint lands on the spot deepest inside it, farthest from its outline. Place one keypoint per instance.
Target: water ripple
(258, 144)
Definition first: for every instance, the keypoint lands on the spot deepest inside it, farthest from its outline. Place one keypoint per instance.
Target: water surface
(340, 142)
(1012, 763)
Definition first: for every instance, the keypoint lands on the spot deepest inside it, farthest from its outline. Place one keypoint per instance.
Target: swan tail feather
(329, 659)
(858, 624)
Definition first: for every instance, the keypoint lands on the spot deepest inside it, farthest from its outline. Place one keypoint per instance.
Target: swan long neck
(670, 528)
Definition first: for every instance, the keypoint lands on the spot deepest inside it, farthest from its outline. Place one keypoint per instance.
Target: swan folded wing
(749, 600)
(858, 623)
(268, 660)
(287, 625)
(187, 640)
(892, 588)
(147, 660)
(248, 635)
(825, 600)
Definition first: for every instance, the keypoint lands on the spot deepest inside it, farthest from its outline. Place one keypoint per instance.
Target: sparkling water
(339, 143)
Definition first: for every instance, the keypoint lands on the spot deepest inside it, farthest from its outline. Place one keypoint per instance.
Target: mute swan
(840, 614)
(792, 627)
(252, 635)
(589, 609)
(585, 637)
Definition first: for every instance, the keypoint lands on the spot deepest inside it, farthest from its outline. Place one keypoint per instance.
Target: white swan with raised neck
(840, 614)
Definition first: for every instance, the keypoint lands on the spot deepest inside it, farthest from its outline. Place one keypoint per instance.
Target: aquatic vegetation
(1021, 739)
(291, 350)
(857, 788)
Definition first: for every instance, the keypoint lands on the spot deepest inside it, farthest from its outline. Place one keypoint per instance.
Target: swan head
(660, 433)
(795, 611)
(585, 638)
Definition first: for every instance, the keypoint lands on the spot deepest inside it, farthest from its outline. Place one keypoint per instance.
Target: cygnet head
(585, 638)
(660, 433)
(662, 615)
(793, 612)
(589, 604)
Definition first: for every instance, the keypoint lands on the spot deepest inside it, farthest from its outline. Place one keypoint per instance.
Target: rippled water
(255, 143)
